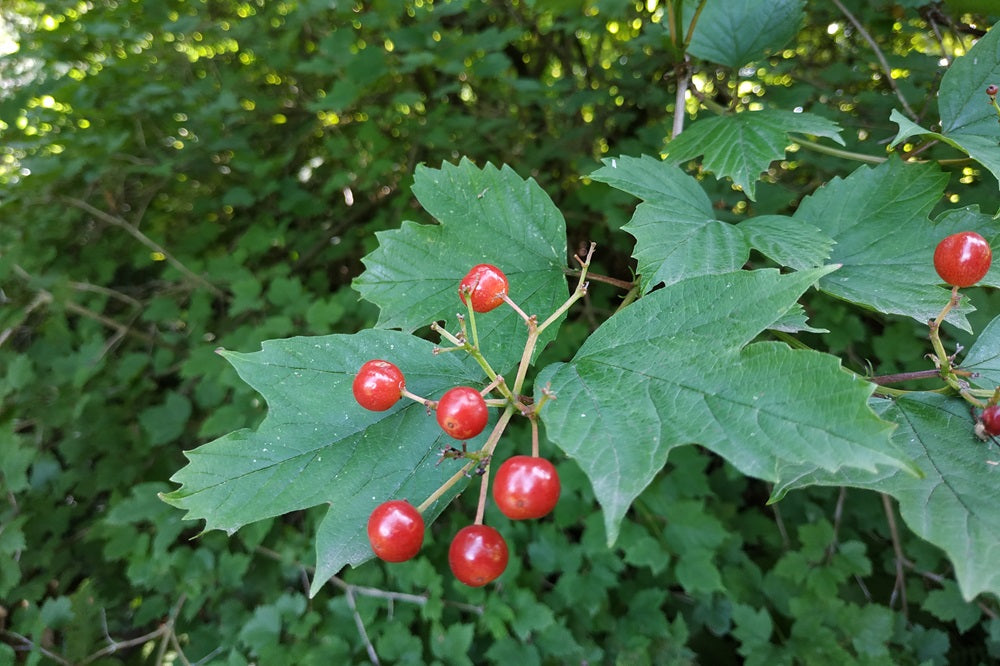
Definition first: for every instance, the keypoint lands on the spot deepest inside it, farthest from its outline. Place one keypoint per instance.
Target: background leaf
(884, 240)
(486, 215)
(741, 146)
(968, 121)
(634, 391)
(736, 32)
(954, 505)
(318, 446)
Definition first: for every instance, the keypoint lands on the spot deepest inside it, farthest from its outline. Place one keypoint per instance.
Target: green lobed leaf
(954, 506)
(676, 368)
(884, 239)
(968, 121)
(789, 241)
(743, 145)
(736, 32)
(486, 215)
(677, 235)
(318, 446)
(676, 232)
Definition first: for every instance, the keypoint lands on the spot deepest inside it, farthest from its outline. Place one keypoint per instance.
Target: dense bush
(182, 177)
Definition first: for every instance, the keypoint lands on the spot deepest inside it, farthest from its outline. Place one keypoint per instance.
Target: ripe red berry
(526, 487)
(477, 555)
(378, 385)
(485, 285)
(991, 420)
(991, 90)
(462, 412)
(963, 259)
(395, 531)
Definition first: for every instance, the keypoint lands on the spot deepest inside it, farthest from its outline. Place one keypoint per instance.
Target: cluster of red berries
(524, 487)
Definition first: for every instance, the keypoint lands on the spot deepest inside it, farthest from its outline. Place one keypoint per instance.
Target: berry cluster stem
(943, 361)
(535, 329)
(480, 460)
(483, 454)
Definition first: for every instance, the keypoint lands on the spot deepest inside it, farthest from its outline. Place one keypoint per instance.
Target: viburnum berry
(526, 487)
(990, 420)
(485, 285)
(992, 90)
(395, 531)
(462, 412)
(963, 259)
(378, 385)
(477, 555)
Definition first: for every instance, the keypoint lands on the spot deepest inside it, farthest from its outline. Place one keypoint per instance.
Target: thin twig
(30, 645)
(165, 631)
(780, 522)
(838, 515)
(897, 548)
(682, 71)
(372, 655)
(388, 595)
(878, 54)
(116, 221)
(45, 296)
(105, 291)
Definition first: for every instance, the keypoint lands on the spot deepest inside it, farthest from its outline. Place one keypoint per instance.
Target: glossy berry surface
(963, 259)
(526, 487)
(485, 285)
(462, 412)
(395, 531)
(477, 555)
(378, 385)
(991, 420)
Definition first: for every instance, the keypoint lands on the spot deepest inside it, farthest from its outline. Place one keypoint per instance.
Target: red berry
(991, 90)
(378, 385)
(526, 487)
(477, 555)
(485, 285)
(963, 259)
(395, 530)
(991, 420)
(462, 412)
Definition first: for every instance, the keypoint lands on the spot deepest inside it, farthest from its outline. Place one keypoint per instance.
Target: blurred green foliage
(178, 176)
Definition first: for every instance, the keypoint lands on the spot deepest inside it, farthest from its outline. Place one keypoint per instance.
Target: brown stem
(596, 277)
(883, 380)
